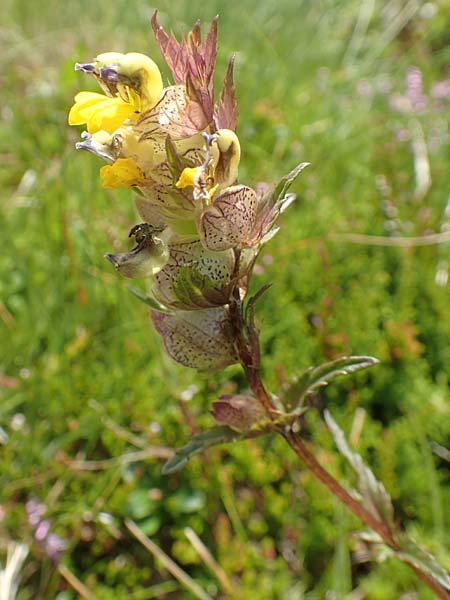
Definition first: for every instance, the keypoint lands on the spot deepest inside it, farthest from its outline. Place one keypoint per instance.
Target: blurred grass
(317, 81)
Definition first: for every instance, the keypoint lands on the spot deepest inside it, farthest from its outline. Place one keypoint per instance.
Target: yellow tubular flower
(220, 169)
(135, 77)
(123, 173)
(226, 153)
(132, 83)
(99, 112)
(204, 188)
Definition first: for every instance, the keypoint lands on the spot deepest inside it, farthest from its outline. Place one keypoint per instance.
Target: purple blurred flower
(51, 544)
(54, 547)
(441, 90)
(35, 511)
(414, 89)
(42, 530)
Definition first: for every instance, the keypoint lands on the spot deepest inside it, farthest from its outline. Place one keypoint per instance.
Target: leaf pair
(311, 380)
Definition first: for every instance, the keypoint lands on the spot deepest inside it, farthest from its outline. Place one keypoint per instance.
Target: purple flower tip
(109, 74)
(86, 67)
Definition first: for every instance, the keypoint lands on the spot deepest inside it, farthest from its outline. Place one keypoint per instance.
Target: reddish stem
(247, 345)
(353, 505)
(335, 487)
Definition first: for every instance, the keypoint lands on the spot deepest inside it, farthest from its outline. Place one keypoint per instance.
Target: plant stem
(335, 488)
(355, 507)
(247, 345)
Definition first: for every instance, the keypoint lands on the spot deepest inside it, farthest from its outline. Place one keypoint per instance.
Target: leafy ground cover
(362, 92)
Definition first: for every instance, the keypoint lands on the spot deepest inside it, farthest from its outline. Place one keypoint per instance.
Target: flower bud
(240, 412)
(200, 339)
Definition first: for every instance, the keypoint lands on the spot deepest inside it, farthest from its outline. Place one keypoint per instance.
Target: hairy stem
(335, 488)
(247, 345)
(355, 507)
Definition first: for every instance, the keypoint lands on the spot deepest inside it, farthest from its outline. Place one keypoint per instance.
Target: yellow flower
(219, 170)
(226, 154)
(100, 113)
(123, 173)
(133, 76)
(187, 177)
(132, 83)
(197, 178)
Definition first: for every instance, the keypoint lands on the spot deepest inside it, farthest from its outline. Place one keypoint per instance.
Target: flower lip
(100, 144)
(85, 67)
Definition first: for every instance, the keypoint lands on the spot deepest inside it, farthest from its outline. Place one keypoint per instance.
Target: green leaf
(151, 525)
(316, 377)
(374, 494)
(186, 501)
(250, 307)
(211, 437)
(148, 300)
(412, 554)
(174, 161)
(139, 505)
(285, 183)
(195, 289)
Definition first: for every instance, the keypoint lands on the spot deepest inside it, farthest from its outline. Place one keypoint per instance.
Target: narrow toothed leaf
(316, 377)
(173, 52)
(286, 202)
(250, 308)
(374, 494)
(199, 443)
(271, 203)
(192, 63)
(286, 182)
(148, 300)
(412, 554)
(200, 105)
(192, 56)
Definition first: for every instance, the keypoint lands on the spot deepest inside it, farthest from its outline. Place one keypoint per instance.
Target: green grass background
(316, 81)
